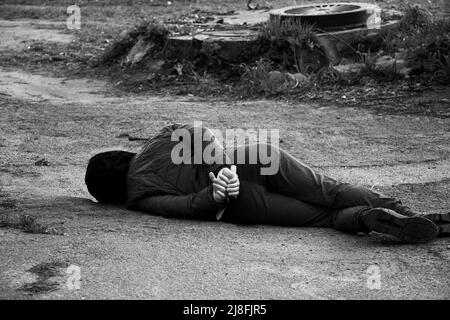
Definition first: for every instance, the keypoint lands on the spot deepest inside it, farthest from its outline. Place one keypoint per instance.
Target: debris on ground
(350, 70)
(138, 52)
(291, 48)
(46, 273)
(42, 163)
(131, 138)
(205, 52)
(28, 224)
(389, 65)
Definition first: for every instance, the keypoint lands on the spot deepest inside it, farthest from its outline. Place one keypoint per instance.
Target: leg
(257, 205)
(297, 180)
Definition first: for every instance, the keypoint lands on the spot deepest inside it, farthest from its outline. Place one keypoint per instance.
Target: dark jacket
(158, 186)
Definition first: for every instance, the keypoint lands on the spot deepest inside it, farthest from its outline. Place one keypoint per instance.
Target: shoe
(408, 229)
(442, 221)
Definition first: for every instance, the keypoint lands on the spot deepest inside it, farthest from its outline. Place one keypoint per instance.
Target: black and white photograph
(222, 156)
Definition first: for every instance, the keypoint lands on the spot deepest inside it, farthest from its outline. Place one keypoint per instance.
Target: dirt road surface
(60, 123)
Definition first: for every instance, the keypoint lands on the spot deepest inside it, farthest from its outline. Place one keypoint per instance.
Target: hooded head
(106, 176)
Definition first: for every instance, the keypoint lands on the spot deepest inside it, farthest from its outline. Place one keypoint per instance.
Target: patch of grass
(255, 79)
(263, 79)
(415, 17)
(420, 39)
(293, 31)
(8, 203)
(45, 271)
(49, 269)
(293, 41)
(429, 51)
(40, 287)
(28, 224)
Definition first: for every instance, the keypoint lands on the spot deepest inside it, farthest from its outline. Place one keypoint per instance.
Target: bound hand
(219, 188)
(231, 179)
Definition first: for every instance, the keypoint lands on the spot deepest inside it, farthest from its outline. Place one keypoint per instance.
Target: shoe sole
(407, 229)
(442, 221)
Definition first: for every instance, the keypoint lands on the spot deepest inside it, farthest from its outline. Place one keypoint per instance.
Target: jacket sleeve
(200, 205)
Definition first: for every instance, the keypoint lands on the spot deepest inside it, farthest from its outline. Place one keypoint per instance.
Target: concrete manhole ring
(331, 16)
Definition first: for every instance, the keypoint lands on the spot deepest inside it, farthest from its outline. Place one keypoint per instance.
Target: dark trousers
(296, 195)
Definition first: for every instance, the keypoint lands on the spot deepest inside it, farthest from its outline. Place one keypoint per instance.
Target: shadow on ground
(125, 254)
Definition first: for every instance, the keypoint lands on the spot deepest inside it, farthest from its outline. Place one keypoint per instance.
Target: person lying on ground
(295, 195)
